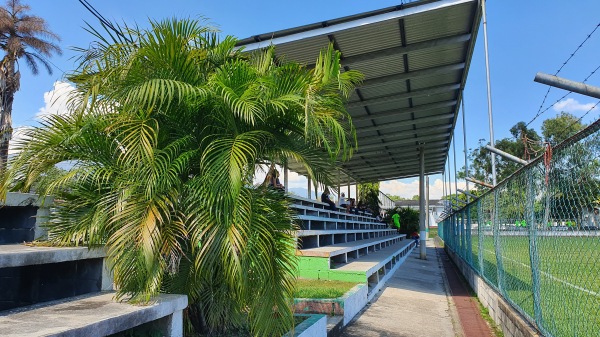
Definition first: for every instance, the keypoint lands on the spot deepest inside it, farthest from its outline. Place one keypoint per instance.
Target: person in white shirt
(342, 201)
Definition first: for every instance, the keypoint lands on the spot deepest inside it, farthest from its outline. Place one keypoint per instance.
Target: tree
(21, 36)
(368, 194)
(559, 128)
(396, 197)
(164, 133)
(415, 197)
(524, 143)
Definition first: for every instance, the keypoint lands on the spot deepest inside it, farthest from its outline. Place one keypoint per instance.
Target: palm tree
(164, 134)
(21, 36)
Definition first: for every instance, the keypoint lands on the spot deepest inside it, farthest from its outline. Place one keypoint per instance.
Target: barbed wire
(540, 112)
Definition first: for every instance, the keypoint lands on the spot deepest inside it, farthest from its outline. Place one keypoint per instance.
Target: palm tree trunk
(9, 85)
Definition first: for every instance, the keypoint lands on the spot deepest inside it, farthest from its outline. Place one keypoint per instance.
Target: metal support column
(480, 229)
(309, 189)
(533, 254)
(427, 219)
(422, 214)
(489, 89)
(465, 145)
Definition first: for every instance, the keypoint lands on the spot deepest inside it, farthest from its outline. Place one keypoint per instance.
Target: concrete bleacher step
(34, 274)
(341, 248)
(93, 316)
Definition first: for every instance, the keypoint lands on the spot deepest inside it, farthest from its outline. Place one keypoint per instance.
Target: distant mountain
(299, 191)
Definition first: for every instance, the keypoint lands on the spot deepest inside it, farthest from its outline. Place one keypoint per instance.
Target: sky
(524, 37)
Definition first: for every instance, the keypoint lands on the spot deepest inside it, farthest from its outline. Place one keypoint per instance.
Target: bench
(93, 316)
(356, 248)
(319, 238)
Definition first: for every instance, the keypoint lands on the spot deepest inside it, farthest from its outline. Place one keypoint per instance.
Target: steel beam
(479, 182)
(406, 49)
(267, 39)
(393, 98)
(406, 123)
(563, 83)
(412, 75)
(405, 111)
(507, 155)
(397, 141)
(430, 145)
(409, 135)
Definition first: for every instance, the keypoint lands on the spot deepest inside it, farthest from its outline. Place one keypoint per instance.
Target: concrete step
(93, 316)
(31, 275)
(18, 255)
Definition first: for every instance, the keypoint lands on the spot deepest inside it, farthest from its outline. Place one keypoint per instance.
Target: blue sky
(524, 37)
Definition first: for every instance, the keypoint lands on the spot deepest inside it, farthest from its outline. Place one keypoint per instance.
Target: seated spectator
(379, 218)
(415, 236)
(272, 179)
(342, 201)
(352, 206)
(325, 198)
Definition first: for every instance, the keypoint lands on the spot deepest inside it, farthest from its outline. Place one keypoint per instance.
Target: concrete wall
(21, 215)
(313, 326)
(348, 305)
(27, 285)
(512, 323)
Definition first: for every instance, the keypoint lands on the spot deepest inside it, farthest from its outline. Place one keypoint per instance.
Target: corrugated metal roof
(415, 58)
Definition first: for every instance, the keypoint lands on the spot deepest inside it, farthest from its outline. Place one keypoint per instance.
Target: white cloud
(56, 100)
(408, 188)
(572, 105)
(17, 137)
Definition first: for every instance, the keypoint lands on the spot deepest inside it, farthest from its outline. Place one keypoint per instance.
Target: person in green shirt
(396, 219)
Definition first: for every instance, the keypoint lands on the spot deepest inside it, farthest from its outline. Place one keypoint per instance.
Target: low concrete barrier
(313, 326)
(348, 305)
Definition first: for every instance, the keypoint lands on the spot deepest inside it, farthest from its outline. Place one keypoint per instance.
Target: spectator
(342, 201)
(396, 219)
(325, 198)
(272, 179)
(415, 237)
(352, 206)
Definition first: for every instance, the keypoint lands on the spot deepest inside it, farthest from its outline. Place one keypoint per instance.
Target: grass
(568, 273)
(322, 288)
(433, 232)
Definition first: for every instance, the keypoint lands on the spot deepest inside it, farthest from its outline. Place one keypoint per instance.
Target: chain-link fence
(536, 237)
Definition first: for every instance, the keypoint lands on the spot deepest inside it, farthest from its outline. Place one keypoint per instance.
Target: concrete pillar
(172, 324)
(423, 212)
(309, 189)
(427, 220)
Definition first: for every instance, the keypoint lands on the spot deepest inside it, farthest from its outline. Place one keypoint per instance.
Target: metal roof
(415, 58)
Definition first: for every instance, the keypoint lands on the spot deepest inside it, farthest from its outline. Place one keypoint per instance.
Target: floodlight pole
(422, 213)
(489, 89)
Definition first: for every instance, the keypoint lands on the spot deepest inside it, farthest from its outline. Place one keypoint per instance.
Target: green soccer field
(568, 273)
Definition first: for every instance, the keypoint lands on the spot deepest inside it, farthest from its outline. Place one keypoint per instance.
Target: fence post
(469, 243)
(497, 248)
(480, 222)
(533, 254)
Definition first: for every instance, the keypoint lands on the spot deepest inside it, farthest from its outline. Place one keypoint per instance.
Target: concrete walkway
(414, 302)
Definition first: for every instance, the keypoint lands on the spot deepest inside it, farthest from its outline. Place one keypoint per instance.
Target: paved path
(414, 302)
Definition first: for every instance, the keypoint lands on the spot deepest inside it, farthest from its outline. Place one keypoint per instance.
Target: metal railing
(535, 237)
(385, 202)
